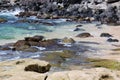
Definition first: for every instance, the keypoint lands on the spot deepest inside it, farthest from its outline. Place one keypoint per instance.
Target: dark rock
(33, 43)
(112, 40)
(84, 35)
(21, 45)
(106, 77)
(77, 29)
(48, 43)
(79, 26)
(112, 1)
(36, 38)
(26, 14)
(38, 68)
(105, 35)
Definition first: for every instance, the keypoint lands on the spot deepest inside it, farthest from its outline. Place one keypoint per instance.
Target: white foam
(2, 53)
(40, 48)
(15, 58)
(9, 13)
(35, 56)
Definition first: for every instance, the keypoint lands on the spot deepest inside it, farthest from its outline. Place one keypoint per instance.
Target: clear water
(15, 30)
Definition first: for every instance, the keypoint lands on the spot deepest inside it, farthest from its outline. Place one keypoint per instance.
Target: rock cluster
(106, 11)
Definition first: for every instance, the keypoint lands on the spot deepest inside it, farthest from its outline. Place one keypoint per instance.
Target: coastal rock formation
(29, 43)
(11, 70)
(87, 74)
(105, 11)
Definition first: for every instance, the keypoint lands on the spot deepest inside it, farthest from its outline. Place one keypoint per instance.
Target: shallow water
(13, 31)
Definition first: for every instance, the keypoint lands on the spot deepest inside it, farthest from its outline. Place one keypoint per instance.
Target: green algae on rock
(110, 64)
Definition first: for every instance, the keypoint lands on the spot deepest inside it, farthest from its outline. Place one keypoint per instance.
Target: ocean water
(15, 30)
(11, 31)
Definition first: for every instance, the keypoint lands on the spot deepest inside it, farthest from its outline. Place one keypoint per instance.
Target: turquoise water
(16, 30)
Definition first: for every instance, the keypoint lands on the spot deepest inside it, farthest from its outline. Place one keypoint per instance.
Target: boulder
(48, 43)
(112, 40)
(68, 40)
(84, 35)
(37, 68)
(36, 38)
(78, 26)
(21, 45)
(105, 35)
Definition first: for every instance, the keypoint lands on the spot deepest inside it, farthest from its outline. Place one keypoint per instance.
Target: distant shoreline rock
(107, 12)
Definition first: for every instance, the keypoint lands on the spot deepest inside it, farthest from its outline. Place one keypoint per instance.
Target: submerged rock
(2, 20)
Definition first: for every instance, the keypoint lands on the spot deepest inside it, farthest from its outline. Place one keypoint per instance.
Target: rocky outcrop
(87, 74)
(106, 11)
(11, 70)
(29, 43)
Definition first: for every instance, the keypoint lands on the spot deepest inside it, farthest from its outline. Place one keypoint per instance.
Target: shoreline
(104, 46)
